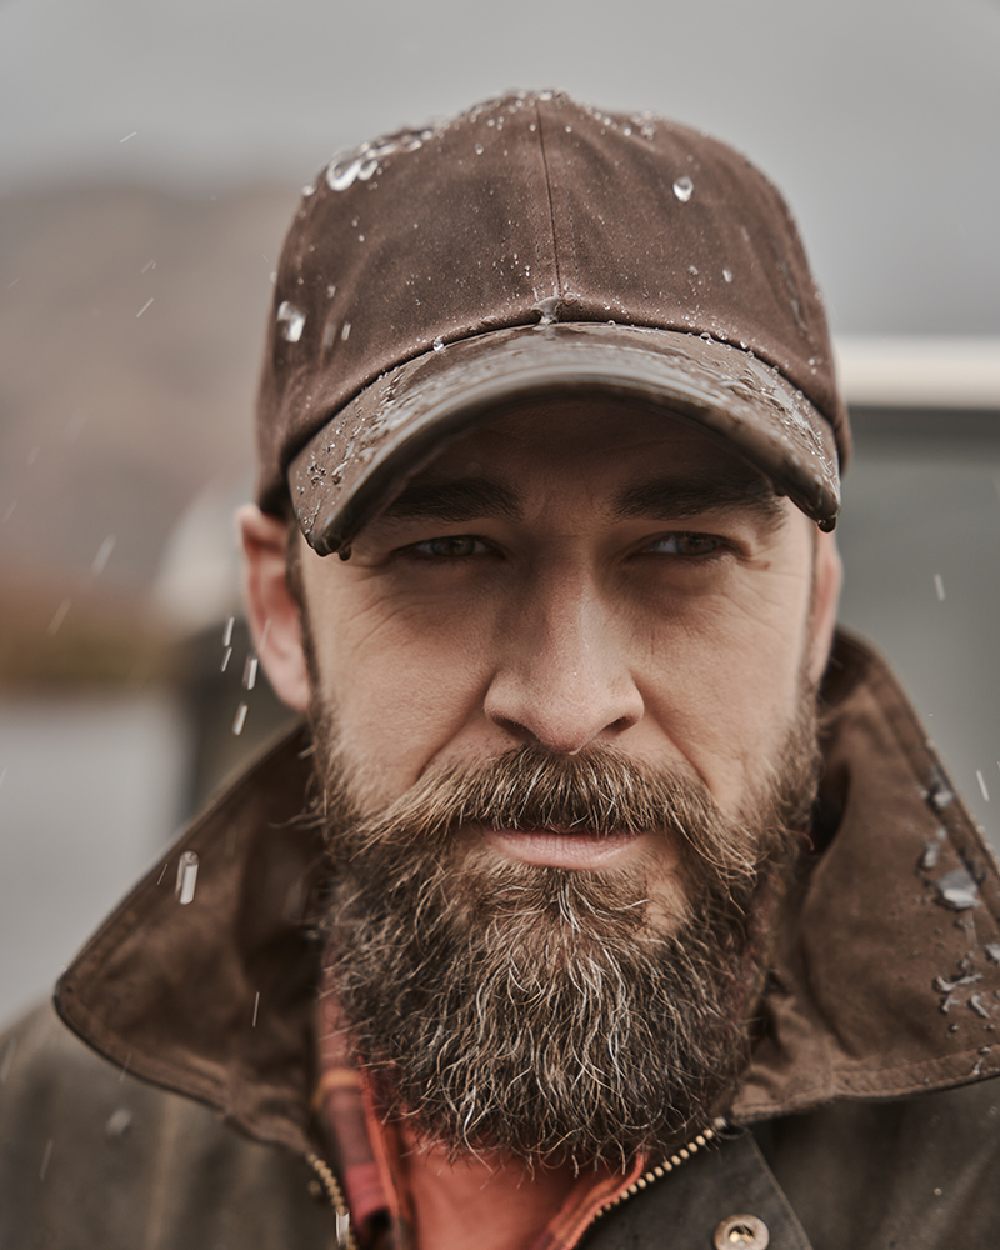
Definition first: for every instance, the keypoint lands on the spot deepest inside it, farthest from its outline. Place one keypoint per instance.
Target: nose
(563, 680)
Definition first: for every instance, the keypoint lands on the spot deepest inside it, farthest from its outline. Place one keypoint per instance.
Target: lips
(553, 849)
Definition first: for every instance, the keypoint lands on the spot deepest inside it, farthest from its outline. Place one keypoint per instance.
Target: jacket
(165, 1103)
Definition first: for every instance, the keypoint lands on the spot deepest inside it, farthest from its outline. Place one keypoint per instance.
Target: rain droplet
(345, 331)
(103, 555)
(308, 189)
(957, 890)
(239, 719)
(58, 616)
(683, 188)
(727, 275)
(331, 290)
(46, 1157)
(992, 950)
(256, 1005)
(367, 168)
(227, 631)
(250, 672)
(939, 587)
(978, 1006)
(118, 1122)
(340, 174)
(226, 657)
(982, 786)
(548, 308)
(931, 855)
(479, 149)
(439, 344)
(144, 307)
(291, 320)
(187, 877)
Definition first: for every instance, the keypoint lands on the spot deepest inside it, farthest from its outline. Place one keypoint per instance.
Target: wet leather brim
(357, 461)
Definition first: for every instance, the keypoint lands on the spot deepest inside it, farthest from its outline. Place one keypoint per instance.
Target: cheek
(723, 684)
(404, 681)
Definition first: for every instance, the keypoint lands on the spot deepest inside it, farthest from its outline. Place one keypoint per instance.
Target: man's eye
(451, 547)
(691, 545)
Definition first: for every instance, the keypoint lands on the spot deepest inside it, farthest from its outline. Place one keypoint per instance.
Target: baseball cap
(534, 245)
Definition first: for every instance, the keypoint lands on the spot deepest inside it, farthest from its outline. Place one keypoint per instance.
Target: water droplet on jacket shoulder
(479, 149)
(957, 890)
(683, 188)
(187, 877)
(992, 950)
(977, 1005)
(291, 321)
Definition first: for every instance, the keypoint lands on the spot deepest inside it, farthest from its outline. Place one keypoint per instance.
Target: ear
(827, 578)
(272, 612)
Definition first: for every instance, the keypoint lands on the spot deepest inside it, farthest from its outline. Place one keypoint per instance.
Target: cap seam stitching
(548, 195)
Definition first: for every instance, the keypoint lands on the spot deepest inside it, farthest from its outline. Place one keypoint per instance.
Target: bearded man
(604, 895)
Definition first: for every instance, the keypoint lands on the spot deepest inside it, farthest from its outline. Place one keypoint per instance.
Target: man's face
(564, 729)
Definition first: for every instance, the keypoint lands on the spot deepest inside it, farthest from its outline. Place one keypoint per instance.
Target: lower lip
(562, 850)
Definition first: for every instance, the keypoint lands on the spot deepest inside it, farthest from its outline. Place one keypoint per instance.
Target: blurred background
(151, 156)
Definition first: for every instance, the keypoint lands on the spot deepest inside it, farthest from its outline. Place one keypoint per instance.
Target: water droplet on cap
(727, 275)
(291, 321)
(683, 188)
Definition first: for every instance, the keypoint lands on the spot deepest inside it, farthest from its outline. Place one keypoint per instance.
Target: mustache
(601, 792)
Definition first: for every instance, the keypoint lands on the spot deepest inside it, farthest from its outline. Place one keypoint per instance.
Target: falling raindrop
(118, 1122)
(256, 1005)
(103, 555)
(683, 188)
(239, 719)
(144, 307)
(187, 877)
(291, 321)
(939, 587)
(250, 672)
(345, 331)
(46, 1158)
(982, 786)
(227, 631)
(131, 135)
(226, 657)
(55, 624)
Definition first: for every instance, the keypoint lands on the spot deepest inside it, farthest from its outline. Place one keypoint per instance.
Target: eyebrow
(674, 498)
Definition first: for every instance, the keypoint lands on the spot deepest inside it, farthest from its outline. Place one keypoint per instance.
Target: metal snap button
(741, 1232)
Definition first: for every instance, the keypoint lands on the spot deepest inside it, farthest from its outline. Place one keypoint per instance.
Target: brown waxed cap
(534, 245)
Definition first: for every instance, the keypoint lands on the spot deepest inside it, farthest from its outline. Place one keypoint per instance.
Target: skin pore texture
(563, 700)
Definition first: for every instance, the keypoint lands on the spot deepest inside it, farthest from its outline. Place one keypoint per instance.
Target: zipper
(335, 1196)
(654, 1174)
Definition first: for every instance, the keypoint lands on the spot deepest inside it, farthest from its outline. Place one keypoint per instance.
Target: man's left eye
(691, 545)
(450, 547)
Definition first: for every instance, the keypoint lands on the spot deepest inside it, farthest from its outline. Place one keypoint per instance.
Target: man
(604, 896)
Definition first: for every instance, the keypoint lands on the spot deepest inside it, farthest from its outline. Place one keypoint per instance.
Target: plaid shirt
(366, 1155)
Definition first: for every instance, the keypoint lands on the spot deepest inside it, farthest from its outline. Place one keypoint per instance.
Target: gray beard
(544, 1013)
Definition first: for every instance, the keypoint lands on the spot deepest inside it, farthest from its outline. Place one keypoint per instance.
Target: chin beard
(554, 1015)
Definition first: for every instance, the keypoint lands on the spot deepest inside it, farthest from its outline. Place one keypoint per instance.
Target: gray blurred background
(150, 155)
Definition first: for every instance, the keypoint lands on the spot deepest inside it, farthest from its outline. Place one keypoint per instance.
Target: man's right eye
(450, 547)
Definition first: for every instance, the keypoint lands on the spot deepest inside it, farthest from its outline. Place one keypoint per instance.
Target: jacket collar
(214, 999)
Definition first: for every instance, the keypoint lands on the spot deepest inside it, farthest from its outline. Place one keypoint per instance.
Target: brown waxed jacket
(866, 1120)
